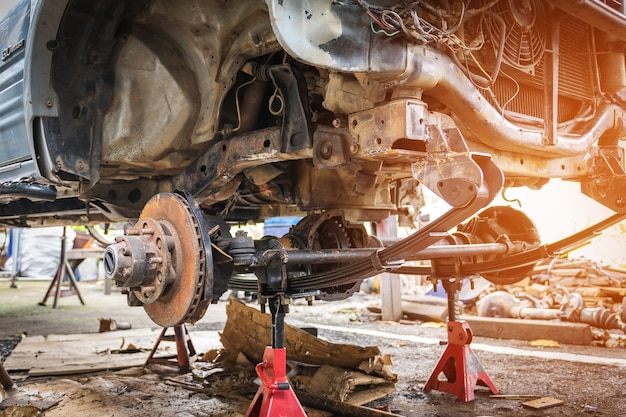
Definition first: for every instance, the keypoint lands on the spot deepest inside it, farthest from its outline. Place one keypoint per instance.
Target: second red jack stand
(275, 397)
(185, 351)
(458, 363)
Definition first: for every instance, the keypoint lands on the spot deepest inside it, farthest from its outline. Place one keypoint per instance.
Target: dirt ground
(588, 379)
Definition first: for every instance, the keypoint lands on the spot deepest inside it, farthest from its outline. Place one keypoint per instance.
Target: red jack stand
(185, 351)
(458, 363)
(275, 397)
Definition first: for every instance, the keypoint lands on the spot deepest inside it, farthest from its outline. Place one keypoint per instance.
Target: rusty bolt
(48, 103)
(326, 150)
(619, 202)
(354, 148)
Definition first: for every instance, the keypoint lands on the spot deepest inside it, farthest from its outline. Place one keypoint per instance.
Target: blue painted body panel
(14, 137)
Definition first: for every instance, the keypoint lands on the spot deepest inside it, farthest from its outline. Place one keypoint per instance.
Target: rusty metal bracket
(607, 182)
(449, 170)
(295, 130)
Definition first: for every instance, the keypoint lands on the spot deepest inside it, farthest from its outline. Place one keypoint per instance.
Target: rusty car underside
(187, 116)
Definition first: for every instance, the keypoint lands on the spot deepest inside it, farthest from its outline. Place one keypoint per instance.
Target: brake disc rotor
(162, 262)
(182, 300)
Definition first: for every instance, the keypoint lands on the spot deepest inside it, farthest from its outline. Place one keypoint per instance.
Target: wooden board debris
(423, 308)
(560, 331)
(248, 331)
(91, 352)
(542, 403)
(425, 312)
(352, 387)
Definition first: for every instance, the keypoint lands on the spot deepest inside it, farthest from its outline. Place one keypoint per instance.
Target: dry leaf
(545, 343)
(435, 324)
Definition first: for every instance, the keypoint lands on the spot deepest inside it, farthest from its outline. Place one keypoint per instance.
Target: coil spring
(604, 319)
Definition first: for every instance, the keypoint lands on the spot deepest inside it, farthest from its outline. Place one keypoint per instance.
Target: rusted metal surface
(160, 261)
(5, 378)
(578, 291)
(183, 297)
(185, 350)
(395, 131)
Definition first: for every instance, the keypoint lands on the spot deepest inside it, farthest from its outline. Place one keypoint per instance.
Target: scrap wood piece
(27, 410)
(420, 310)
(542, 403)
(89, 352)
(425, 312)
(514, 397)
(248, 331)
(60, 353)
(520, 329)
(342, 409)
(379, 365)
(348, 386)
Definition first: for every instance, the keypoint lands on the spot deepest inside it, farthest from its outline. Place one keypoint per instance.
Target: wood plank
(391, 296)
(560, 331)
(422, 311)
(247, 330)
(111, 364)
(542, 403)
(390, 284)
(425, 311)
(79, 353)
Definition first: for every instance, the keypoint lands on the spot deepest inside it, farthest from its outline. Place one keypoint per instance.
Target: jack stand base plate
(459, 365)
(275, 397)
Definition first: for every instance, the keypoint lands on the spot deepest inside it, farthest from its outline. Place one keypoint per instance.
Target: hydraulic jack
(458, 363)
(275, 397)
